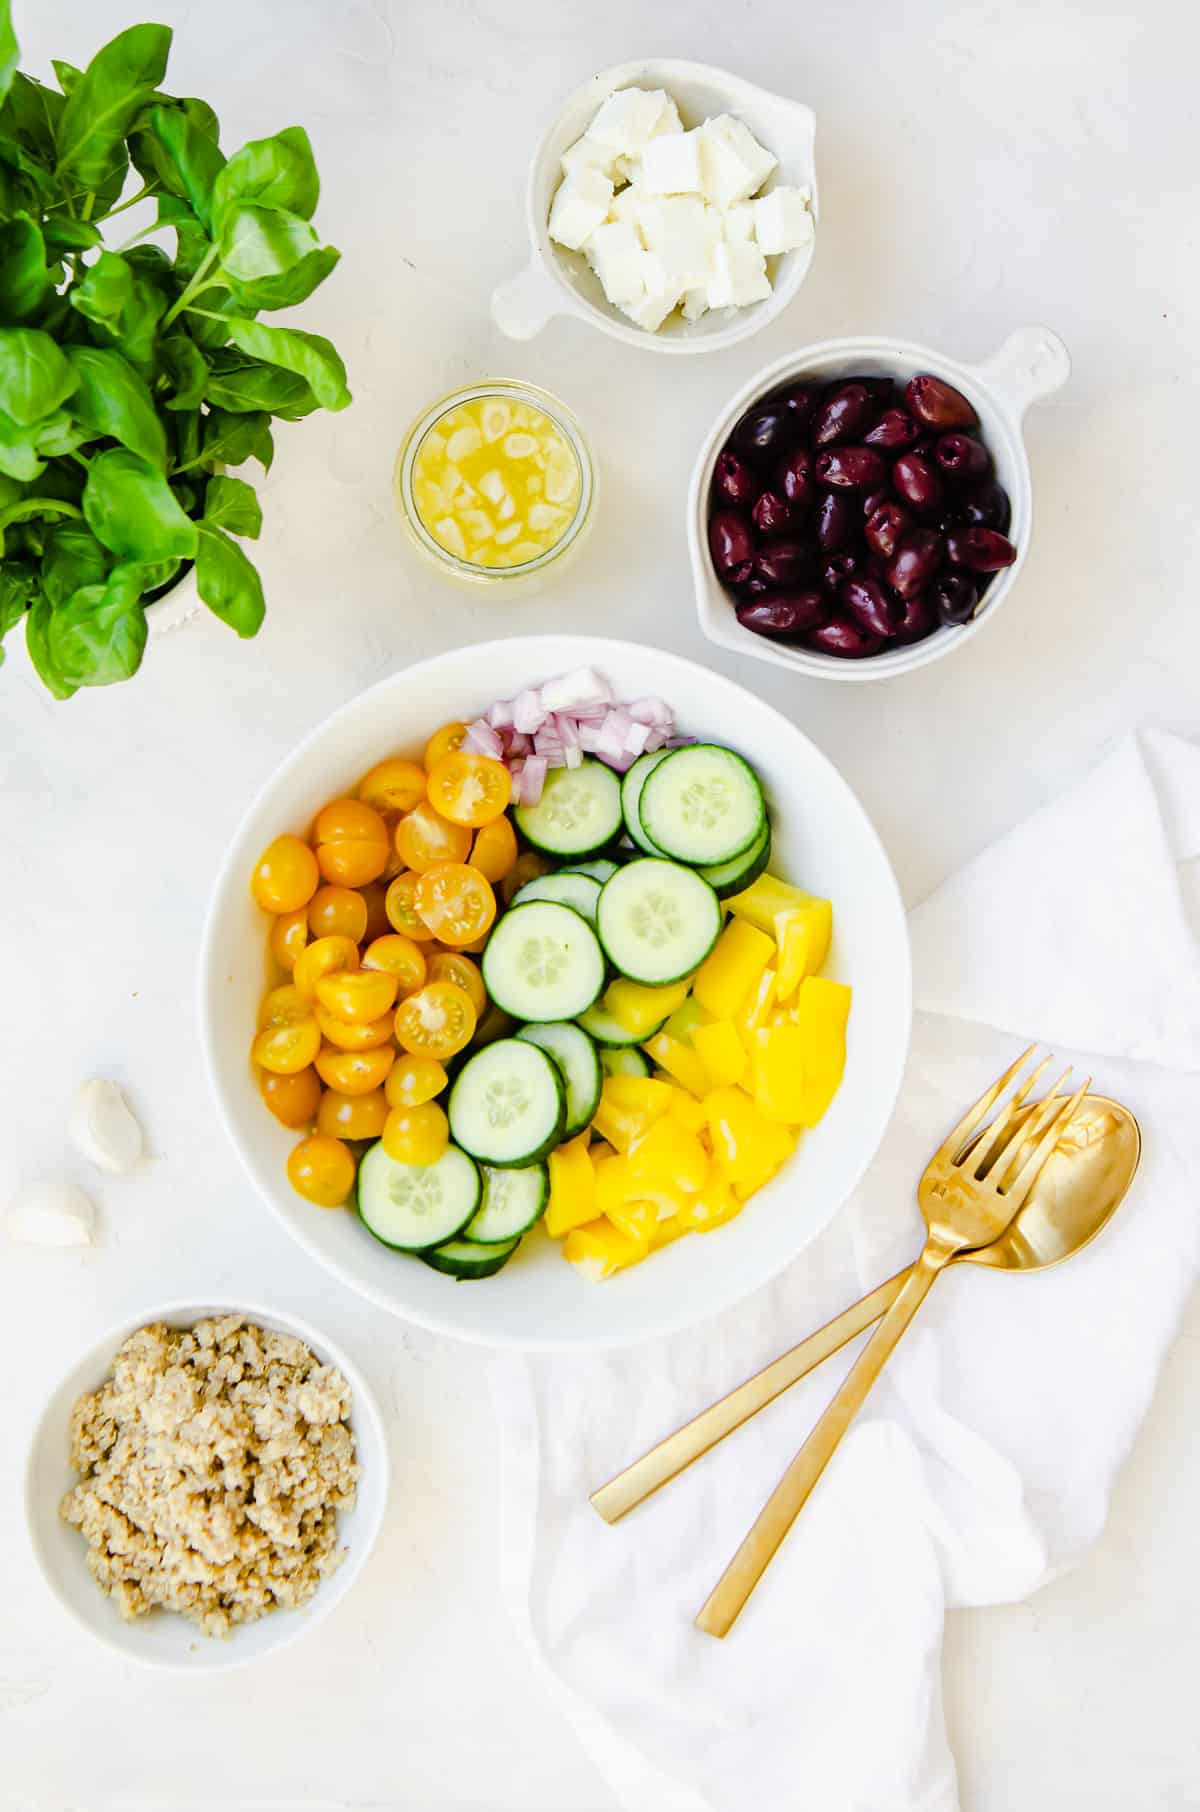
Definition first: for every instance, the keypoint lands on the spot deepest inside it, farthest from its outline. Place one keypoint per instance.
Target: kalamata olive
(838, 521)
(867, 603)
(915, 561)
(894, 428)
(986, 506)
(886, 528)
(784, 613)
(844, 638)
(915, 480)
(851, 468)
(772, 514)
(785, 563)
(962, 456)
(837, 568)
(953, 596)
(938, 404)
(918, 621)
(981, 550)
(799, 400)
(843, 413)
(733, 480)
(732, 546)
(751, 588)
(875, 500)
(795, 478)
(880, 389)
(766, 431)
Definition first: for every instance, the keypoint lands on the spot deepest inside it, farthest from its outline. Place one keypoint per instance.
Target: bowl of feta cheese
(671, 204)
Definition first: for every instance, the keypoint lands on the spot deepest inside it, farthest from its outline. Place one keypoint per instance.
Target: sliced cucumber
(508, 1105)
(543, 962)
(512, 1201)
(631, 794)
(626, 1060)
(657, 920)
(463, 1259)
(578, 891)
(575, 1054)
(601, 869)
(414, 1206)
(703, 805)
(578, 813)
(731, 877)
(608, 1032)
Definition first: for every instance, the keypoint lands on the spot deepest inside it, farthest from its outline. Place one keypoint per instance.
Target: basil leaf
(107, 99)
(99, 635)
(290, 286)
(230, 503)
(68, 76)
(73, 558)
(18, 584)
(10, 54)
(172, 150)
(228, 583)
(24, 278)
(31, 113)
(123, 303)
(130, 507)
(59, 434)
(191, 241)
(63, 234)
(276, 172)
(229, 439)
(37, 624)
(308, 354)
(241, 384)
(261, 242)
(113, 402)
(18, 451)
(187, 369)
(34, 376)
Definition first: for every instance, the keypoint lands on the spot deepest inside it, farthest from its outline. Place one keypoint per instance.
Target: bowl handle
(1032, 363)
(522, 306)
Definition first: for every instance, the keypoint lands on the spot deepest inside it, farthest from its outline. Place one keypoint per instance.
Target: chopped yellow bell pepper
(610, 1183)
(641, 1010)
(666, 1160)
(668, 1231)
(767, 896)
(715, 1204)
(600, 1249)
(745, 1187)
(720, 1050)
(638, 1220)
(793, 934)
(572, 1188)
(778, 1074)
(687, 1110)
(731, 968)
(680, 1062)
(745, 1143)
(822, 1010)
(685, 1019)
(757, 1009)
(627, 1106)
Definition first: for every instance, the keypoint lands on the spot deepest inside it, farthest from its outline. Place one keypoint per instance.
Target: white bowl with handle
(560, 282)
(1032, 363)
(823, 841)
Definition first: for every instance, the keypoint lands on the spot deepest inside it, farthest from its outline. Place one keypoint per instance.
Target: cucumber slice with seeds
(625, 1060)
(657, 920)
(601, 869)
(512, 1201)
(575, 1054)
(462, 1259)
(726, 878)
(631, 794)
(578, 813)
(578, 891)
(414, 1206)
(543, 962)
(702, 805)
(508, 1105)
(608, 1032)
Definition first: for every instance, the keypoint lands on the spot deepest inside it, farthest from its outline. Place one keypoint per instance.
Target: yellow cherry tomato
(437, 1020)
(469, 789)
(494, 850)
(285, 876)
(526, 868)
(350, 1034)
(338, 912)
(443, 742)
(352, 842)
(352, 1116)
(453, 966)
(354, 1072)
(358, 995)
(394, 785)
(424, 838)
(413, 1080)
(397, 955)
(416, 1135)
(292, 1099)
(456, 903)
(289, 934)
(326, 956)
(322, 1171)
(375, 895)
(288, 1037)
(402, 908)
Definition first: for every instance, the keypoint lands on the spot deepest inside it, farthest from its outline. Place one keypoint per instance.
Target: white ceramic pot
(1032, 363)
(177, 606)
(559, 282)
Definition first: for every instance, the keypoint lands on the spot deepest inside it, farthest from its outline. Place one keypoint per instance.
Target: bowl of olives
(864, 506)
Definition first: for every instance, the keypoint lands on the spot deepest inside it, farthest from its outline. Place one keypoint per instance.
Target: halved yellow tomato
(359, 995)
(288, 1037)
(456, 903)
(494, 850)
(397, 955)
(352, 842)
(424, 838)
(285, 876)
(352, 1116)
(322, 1171)
(338, 912)
(402, 908)
(289, 934)
(352, 1035)
(453, 966)
(414, 1079)
(354, 1072)
(438, 1020)
(443, 742)
(293, 1099)
(468, 788)
(416, 1135)
(393, 785)
(375, 896)
(325, 956)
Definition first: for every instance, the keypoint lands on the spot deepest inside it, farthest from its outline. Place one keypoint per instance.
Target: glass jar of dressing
(495, 482)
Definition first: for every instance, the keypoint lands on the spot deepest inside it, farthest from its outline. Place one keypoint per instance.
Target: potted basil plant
(130, 379)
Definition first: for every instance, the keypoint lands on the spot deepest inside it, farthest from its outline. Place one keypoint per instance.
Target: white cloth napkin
(984, 1460)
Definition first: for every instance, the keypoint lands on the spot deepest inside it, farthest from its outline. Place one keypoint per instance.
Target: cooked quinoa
(214, 1462)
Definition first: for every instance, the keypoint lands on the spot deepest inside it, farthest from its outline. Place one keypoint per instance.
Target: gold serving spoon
(1083, 1183)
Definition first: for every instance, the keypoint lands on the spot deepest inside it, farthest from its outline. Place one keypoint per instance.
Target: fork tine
(970, 1120)
(1031, 1169)
(1005, 1168)
(991, 1138)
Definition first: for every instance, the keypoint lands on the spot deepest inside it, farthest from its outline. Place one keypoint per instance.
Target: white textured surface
(979, 167)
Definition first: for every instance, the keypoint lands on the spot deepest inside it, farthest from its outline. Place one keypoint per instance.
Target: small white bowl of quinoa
(206, 1483)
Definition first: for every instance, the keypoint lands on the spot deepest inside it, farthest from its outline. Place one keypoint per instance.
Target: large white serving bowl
(162, 1639)
(823, 841)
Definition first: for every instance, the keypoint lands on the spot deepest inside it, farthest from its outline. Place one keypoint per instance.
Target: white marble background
(981, 165)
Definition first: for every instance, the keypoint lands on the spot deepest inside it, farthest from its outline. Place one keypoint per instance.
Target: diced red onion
(519, 743)
(533, 779)
(481, 739)
(636, 738)
(568, 730)
(589, 738)
(529, 713)
(569, 691)
(655, 711)
(549, 742)
(655, 740)
(680, 742)
(500, 715)
(573, 757)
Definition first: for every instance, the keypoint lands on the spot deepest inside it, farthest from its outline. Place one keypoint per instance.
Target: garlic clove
(52, 1213)
(103, 1127)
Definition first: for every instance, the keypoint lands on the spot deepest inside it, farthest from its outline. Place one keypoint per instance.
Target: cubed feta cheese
(615, 252)
(671, 164)
(781, 221)
(739, 276)
(680, 230)
(587, 153)
(668, 120)
(625, 205)
(734, 162)
(737, 222)
(580, 206)
(652, 311)
(695, 304)
(628, 118)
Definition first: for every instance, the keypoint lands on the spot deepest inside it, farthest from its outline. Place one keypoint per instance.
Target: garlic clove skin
(52, 1213)
(103, 1127)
